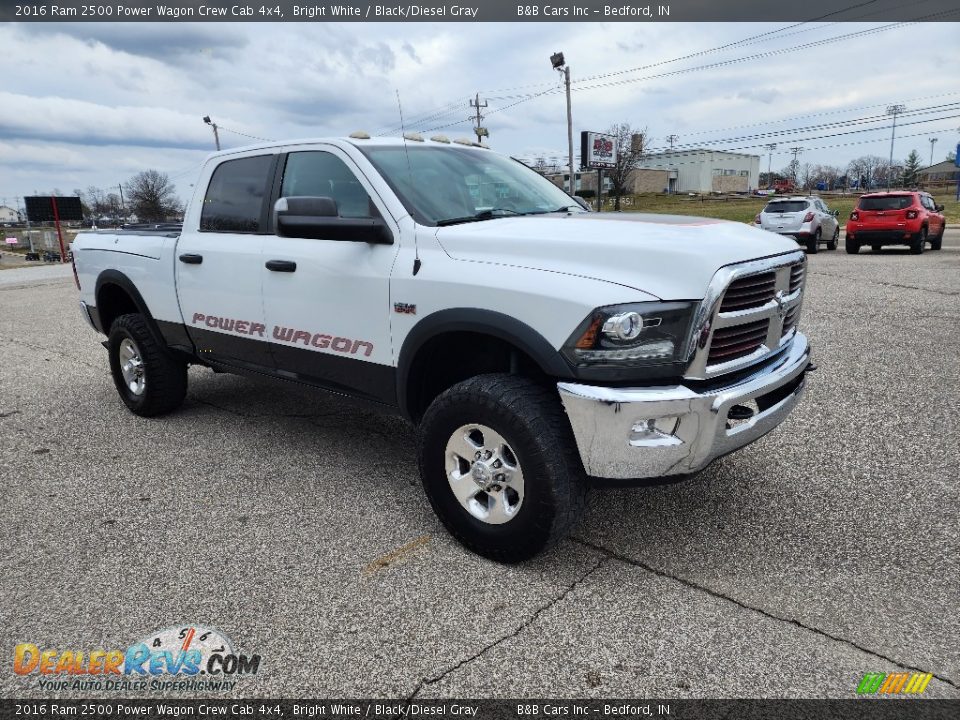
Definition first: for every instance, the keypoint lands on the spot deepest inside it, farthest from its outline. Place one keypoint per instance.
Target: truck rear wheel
(150, 380)
(500, 466)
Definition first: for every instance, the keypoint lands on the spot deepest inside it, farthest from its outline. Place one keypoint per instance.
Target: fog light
(655, 432)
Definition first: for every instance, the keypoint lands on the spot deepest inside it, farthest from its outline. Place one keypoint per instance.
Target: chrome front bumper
(625, 433)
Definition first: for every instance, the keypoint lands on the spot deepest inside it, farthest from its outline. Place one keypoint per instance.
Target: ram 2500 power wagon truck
(534, 345)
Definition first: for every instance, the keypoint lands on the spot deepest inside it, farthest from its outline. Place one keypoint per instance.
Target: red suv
(896, 218)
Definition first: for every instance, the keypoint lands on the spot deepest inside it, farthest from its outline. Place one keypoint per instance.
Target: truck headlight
(651, 333)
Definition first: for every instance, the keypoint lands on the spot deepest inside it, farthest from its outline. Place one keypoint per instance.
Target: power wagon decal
(321, 341)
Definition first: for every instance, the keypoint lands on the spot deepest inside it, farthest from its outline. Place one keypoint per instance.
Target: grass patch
(745, 208)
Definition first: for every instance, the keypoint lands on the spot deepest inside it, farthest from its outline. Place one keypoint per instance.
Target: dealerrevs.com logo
(181, 658)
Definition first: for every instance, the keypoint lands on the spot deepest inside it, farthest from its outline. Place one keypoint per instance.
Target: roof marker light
(360, 135)
(416, 137)
(440, 139)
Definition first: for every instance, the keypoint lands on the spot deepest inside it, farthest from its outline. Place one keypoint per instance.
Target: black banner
(855, 709)
(40, 208)
(480, 11)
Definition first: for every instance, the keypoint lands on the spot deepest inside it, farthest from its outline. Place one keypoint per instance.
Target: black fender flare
(487, 322)
(115, 277)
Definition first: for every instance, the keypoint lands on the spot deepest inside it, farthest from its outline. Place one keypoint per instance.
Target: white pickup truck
(537, 347)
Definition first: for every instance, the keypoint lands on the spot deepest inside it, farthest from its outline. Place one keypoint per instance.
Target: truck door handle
(281, 265)
(191, 259)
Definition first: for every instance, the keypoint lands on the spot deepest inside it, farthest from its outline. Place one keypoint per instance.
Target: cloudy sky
(84, 104)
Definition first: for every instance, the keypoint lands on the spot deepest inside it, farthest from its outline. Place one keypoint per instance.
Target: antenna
(403, 130)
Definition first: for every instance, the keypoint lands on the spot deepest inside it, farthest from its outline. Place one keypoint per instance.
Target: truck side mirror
(318, 218)
(939, 208)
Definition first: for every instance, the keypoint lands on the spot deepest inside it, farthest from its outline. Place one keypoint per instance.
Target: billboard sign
(40, 208)
(597, 150)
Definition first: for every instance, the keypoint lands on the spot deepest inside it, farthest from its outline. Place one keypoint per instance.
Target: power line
(752, 39)
(733, 61)
(772, 134)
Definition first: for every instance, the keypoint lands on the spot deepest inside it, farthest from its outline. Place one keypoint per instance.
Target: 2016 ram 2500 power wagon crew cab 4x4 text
(534, 345)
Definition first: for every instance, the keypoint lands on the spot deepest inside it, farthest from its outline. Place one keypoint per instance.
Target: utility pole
(672, 139)
(123, 205)
(770, 148)
(560, 65)
(794, 165)
(481, 132)
(216, 135)
(893, 110)
(933, 141)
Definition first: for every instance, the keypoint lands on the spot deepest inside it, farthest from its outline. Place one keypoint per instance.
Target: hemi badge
(405, 308)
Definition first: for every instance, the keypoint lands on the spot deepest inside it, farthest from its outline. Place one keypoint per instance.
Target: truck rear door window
(235, 197)
(322, 174)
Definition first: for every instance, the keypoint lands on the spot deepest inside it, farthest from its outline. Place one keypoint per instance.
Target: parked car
(806, 219)
(896, 218)
(533, 345)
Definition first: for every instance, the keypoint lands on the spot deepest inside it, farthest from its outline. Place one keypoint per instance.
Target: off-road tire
(531, 418)
(919, 243)
(852, 246)
(813, 244)
(165, 375)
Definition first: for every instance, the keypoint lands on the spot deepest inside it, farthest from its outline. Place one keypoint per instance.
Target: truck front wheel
(500, 467)
(150, 380)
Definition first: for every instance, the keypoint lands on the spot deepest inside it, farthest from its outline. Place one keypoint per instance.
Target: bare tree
(152, 197)
(631, 145)
(869, 170)
(540, 165)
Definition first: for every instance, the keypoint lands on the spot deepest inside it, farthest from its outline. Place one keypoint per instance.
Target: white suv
(806, 219)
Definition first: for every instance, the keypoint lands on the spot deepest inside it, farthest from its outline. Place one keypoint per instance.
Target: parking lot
(295, 524)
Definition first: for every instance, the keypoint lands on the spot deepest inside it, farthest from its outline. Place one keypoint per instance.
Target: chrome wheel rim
(131, 367)
(484, 474)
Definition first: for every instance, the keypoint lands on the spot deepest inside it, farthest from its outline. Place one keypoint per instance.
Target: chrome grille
(797, 274)
(790, 320)
(737, 341)
(750, 312)
(749, 292)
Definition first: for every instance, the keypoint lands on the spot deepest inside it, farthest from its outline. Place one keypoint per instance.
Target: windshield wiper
(487, 214)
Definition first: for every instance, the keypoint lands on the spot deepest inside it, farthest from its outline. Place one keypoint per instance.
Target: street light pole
(893, 110)
(933, 141)
(559, 64)
(216, 135)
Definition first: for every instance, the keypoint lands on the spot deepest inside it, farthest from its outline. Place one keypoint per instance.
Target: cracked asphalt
(295, 524)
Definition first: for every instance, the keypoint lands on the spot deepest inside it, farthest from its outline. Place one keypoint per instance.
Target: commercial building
(702, 170)
(678, 171)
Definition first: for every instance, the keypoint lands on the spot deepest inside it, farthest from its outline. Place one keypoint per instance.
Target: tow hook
(810, 367)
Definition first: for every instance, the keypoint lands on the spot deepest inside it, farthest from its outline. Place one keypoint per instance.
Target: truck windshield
(448, 185)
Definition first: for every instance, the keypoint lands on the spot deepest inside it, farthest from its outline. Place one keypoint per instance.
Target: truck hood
(669, 256)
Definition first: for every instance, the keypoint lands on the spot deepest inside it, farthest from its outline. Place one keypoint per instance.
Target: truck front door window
(321, 174)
